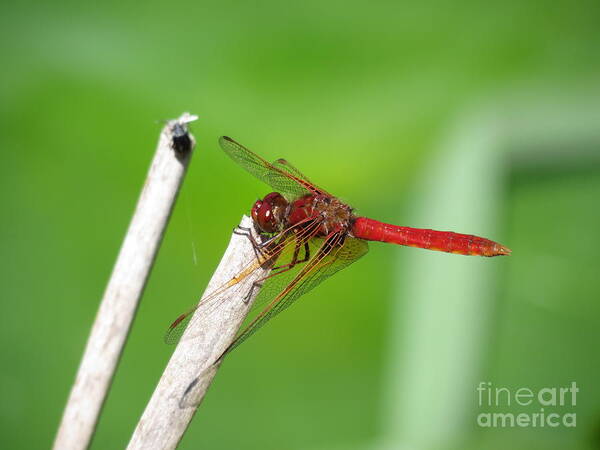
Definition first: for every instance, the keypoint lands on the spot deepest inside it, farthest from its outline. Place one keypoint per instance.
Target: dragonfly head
(269, 213)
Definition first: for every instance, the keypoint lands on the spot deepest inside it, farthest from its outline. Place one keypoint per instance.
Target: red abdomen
(443, 241)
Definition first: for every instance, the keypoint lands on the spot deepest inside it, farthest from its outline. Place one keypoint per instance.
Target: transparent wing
(328, 256)
(279, 254)
(285, 166)
(281, 176)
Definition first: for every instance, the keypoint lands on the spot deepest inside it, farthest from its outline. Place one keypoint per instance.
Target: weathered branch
(191, 367)
(125, 286)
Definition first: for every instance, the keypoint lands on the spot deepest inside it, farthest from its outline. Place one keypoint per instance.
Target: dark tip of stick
(181, 141)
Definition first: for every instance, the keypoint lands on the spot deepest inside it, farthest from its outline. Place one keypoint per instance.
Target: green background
(357, 95)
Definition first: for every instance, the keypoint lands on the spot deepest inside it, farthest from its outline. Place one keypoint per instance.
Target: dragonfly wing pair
(301, 261)
(327, 256)
(280, 174)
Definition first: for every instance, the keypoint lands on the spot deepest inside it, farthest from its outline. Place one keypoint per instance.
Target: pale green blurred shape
(354, 94)
(440, 349)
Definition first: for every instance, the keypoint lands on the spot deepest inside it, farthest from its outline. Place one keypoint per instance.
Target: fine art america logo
(552, 406)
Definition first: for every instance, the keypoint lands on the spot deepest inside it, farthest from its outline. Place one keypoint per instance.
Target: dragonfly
(307, 235)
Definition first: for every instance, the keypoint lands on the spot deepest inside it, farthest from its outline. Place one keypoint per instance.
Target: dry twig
(191, 368)
(125, 286)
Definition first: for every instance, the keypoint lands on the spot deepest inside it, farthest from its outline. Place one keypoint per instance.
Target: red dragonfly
(308, 235)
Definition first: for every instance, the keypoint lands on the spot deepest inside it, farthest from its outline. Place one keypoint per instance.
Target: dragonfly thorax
(329, 212)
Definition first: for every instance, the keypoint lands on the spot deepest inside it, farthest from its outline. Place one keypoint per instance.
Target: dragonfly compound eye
(268, 213)
(255, 209)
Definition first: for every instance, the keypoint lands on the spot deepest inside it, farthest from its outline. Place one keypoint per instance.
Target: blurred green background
(361, 97)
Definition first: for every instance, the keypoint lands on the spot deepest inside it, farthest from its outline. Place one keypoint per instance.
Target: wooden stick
(191, 368)
(125, 286)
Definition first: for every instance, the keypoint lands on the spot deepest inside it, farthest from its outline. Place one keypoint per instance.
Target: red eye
(266, 218)
(267, 213)
(254, 211)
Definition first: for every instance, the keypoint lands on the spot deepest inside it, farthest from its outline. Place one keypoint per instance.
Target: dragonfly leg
(258, 283)
(281, 269)
(295, 259)
(257, 247)
(244, 231)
